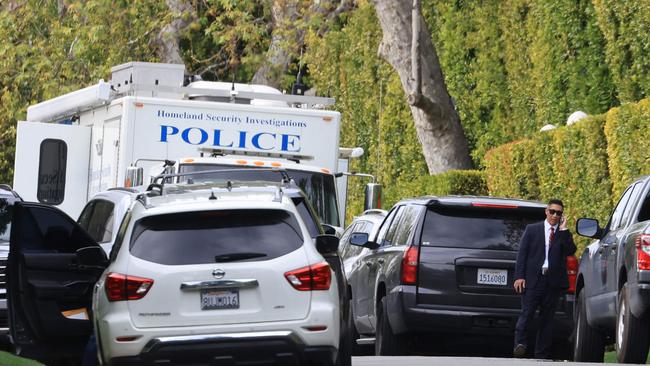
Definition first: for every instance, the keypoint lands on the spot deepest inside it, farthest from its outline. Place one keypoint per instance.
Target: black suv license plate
(219, 299)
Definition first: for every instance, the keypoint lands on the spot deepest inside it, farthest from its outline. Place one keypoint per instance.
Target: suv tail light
(572, 272)
(316, 277)
(410, 266)
(642, 244)
(120, 287)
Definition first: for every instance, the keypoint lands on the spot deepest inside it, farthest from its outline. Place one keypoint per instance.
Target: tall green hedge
(625, 26)
(513, 66)
(628, 145)
(570, 163)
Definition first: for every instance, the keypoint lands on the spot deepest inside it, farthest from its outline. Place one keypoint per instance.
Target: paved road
(453, 361)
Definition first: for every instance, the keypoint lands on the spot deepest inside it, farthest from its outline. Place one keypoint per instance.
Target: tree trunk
(284, 35)
(167, 39)
(287, 39)
(437, 123)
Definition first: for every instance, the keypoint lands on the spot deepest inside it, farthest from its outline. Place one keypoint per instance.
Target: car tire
(344, 355)
(632, 339)
(589, 344)
(386, 342)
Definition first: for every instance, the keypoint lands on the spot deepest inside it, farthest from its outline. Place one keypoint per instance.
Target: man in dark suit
(541, 276)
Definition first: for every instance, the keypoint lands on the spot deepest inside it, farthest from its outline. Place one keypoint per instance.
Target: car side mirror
(589, 228)
(327, 244)
(92, 256)
(361, 240)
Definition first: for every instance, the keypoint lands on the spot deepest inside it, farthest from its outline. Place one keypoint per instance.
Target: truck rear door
(51, 164)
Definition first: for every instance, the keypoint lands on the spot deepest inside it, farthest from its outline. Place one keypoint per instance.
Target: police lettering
(266, 141)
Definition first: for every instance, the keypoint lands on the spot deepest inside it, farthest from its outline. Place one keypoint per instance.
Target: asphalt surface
(454, 361)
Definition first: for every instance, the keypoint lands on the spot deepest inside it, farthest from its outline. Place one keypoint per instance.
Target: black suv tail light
(572, 272)
(410, 266)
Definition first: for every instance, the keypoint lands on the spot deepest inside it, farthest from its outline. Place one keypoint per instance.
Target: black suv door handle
(368, 263)
(381, 260)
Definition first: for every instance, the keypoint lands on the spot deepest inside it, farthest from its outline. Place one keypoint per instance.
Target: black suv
(445, 266)
(7, 199)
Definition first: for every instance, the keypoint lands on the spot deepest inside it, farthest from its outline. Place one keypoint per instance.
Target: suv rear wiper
(230, 257)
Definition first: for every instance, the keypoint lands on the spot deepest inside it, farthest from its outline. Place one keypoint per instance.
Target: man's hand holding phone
(563, 223)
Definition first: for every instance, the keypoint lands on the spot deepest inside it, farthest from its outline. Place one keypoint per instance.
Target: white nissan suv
(203, 275)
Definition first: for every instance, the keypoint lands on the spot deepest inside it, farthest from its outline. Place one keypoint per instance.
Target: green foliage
(229, 39)
(44, 53)
(570, 163)
(625, 26)
(628, 146)
(453, 182)
(513, 66)
(369, 96)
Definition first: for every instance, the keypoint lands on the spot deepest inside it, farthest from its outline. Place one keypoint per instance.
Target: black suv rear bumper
(280, 349)
(405, 315)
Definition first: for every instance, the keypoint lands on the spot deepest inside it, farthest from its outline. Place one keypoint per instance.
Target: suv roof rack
(166, 178)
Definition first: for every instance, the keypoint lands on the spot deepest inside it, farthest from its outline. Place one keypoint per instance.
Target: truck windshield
(319, 187)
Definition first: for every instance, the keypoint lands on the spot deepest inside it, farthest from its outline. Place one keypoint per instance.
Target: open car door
(52, 269)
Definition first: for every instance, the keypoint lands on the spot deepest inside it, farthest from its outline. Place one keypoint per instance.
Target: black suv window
(97, 219)
(477, 228)
(308, 217)
(406, 225)
(211, 236)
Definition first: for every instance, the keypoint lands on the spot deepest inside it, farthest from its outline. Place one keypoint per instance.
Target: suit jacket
(530, 257)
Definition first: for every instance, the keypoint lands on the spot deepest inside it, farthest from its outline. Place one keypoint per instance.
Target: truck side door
(599, 299)
(51, 164)
(616, 248)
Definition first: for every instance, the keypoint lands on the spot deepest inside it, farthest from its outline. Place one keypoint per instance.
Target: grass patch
(610, 357)
(9, 359)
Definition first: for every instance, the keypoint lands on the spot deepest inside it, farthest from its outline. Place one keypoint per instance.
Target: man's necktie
(550, 237)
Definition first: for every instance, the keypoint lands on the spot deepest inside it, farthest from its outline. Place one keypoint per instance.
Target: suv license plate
(497, 277)
(218, 299)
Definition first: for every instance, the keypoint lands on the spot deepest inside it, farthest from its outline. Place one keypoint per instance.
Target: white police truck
(152, 118)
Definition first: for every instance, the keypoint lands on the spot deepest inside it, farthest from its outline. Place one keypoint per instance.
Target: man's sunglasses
(553, 212)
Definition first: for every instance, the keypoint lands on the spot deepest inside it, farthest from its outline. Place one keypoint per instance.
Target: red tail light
(410, 266)
(120, 287)
(642, 243)
(316, 277)
(572, 272)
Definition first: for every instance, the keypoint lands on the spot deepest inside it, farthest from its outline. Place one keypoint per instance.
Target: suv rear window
(210, 236)
(472, 228)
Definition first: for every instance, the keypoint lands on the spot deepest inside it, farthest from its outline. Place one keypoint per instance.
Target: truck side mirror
(361, 240)
(134, 176)
(373, 196)
(327, 244)
(589, 228)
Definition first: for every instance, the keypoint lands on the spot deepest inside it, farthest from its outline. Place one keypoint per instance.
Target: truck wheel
(589, 343)
(386, 342)
(631, 333)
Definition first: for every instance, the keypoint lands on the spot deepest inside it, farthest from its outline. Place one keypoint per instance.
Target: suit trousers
(545, 298)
